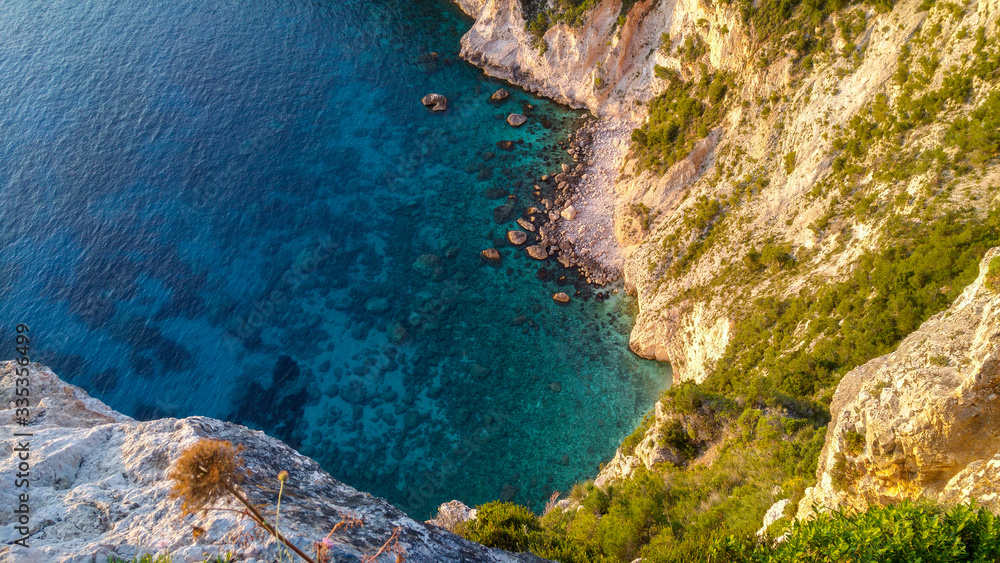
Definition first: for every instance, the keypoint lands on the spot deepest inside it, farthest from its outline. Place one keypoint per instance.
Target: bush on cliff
(993, 275)
(504, 525)
(902, 532)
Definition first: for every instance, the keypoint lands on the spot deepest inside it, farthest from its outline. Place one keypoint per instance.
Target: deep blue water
(242, 210)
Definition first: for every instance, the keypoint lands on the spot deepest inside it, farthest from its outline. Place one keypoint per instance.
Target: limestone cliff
(605, 64)
(98, 487)
(923, 421)
(773, 161)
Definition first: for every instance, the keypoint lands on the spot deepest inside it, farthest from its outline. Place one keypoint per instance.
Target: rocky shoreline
(575, 225)
(601, 147)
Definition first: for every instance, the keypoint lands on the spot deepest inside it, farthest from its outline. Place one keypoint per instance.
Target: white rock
(99, 486)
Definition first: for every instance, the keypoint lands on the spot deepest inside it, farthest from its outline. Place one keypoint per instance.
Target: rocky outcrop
(472, 8)
(601, 65)
(923, 421)
(653, 449)
(98, 487)
(647, 453)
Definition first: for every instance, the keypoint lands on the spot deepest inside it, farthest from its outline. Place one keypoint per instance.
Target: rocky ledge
(923, 421)
(98, 487)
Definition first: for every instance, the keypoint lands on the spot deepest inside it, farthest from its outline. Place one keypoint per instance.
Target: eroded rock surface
(923, 421)
(98, 487)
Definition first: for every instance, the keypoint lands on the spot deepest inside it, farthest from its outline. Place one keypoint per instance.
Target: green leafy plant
(903, 532)
(854, 442)
(502, 524)
(790, 162)
(993, 275)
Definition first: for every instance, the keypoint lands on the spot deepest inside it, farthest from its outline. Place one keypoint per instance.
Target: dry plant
(210, 470)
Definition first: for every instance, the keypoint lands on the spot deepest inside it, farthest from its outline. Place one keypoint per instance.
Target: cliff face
(98, 487)
(923, 421)
(600, 65)
(771, 160)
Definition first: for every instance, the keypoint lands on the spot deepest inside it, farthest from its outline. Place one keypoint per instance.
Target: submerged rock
(502, 213)
(426, 265)
(491, 255)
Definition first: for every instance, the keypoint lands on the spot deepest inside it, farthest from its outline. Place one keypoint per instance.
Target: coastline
(601, 147)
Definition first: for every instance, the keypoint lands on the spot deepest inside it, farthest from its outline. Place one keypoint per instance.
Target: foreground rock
(923, 421)
(451, 514)
(99, 488)
(436, 102)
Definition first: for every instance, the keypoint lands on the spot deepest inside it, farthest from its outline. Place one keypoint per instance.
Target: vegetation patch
(680, 116)
(993, 275)
(901, 532)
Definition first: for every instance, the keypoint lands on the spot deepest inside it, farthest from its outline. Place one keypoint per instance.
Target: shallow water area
(243, 211)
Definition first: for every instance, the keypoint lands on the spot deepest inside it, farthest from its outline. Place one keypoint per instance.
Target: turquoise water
(242, 210)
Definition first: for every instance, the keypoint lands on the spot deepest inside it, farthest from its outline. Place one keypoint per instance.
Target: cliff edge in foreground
(923, 421)
(98, 487)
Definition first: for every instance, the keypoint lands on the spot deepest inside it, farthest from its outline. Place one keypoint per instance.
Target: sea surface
(242, 210)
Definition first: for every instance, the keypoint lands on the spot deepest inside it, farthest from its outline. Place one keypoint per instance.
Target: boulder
(526, 224)
(517, 238)
(537, 252)
(502, 213)
(561, 297)
(426, 264)
(436, 102)
(922, 421)
(491, 255)
(516, 119)
(569, 213)
(500, 95)
(452, 513)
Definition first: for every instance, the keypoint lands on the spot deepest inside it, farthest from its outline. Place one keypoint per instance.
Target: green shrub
(676, 436)
(504, 525)
(854, 442)
(844, 472)
(993, 275)
(687, 397)
(889, 294)
(790, 162)
(939, 360)
(633, 439)
(901, 532)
